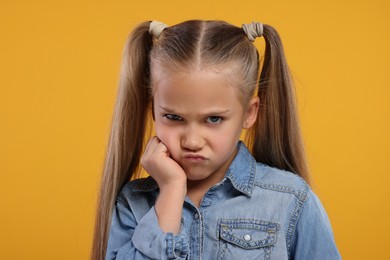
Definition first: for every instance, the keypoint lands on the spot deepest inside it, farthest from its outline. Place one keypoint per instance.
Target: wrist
(169, 207)
(174, 189)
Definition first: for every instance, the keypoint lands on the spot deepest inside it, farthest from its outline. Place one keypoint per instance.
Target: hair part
(195, 45)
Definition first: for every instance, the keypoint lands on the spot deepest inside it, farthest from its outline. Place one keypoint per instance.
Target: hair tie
(156, 28)
(253, 30)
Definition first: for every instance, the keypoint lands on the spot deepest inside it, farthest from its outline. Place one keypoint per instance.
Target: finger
(151, 145)
(162, 149)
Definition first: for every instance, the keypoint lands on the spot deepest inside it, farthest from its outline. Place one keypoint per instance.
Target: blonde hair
(274, 140)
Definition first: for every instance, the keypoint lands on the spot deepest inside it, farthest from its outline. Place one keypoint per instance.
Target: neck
(196, 189)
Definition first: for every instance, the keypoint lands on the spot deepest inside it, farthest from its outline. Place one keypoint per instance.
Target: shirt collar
(242, 170)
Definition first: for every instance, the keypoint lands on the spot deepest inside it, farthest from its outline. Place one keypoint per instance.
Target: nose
(192, 139)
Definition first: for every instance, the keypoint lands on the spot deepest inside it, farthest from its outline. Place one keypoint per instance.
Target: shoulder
(281, 181)
(134, 189)
(140, 185)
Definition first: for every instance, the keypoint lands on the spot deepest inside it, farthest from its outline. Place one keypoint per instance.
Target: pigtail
(127, 131)
(277, 139)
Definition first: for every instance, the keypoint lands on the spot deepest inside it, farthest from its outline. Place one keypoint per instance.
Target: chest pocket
(246, 238)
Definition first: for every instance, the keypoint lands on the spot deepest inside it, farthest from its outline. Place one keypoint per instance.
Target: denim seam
(269, 241)
(267, 253)
(294, 219)
(248, 222)
(202, 229)
(301, 195)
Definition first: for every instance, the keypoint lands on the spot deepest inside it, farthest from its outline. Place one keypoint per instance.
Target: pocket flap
(248, 233)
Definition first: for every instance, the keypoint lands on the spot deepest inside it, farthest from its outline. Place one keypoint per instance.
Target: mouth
(194, 158)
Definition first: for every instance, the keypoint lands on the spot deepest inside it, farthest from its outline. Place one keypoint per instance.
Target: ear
(251, 112)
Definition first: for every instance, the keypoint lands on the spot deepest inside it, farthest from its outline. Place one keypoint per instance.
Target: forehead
(198, 90)
(222, 74)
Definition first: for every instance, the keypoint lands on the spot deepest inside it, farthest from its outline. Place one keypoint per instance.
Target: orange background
(59, 65)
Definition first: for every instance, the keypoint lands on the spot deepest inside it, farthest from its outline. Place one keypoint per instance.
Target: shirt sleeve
(143, 240)
(313, 238)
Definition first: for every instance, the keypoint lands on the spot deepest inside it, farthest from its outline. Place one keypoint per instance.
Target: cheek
(227, 138)
(223, 141)
(167, 135)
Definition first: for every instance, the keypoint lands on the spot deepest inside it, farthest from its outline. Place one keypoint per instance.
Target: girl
(208, 196)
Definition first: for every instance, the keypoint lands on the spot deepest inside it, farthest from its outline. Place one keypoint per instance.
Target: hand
(157, 162)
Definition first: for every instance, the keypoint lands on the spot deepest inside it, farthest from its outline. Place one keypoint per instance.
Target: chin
(196, 176)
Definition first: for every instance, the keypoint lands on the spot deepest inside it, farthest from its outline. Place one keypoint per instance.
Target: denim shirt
(255, 212)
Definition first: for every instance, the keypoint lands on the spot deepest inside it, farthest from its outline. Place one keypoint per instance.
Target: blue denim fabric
(255, 212)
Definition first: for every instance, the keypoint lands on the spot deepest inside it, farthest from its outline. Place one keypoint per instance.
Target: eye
(173, 117)
(214, 120)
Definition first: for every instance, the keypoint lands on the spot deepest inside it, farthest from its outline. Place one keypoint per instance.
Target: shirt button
(247, 237)
(196, 216)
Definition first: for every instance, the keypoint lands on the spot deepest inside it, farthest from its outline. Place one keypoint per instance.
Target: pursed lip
(194, 157)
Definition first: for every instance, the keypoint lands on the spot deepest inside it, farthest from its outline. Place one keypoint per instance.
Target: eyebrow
(212, 112)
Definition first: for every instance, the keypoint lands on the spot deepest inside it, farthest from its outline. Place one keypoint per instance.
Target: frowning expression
(199, 117)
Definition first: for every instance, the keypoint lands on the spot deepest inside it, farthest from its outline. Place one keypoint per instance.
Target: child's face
(199, 117)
